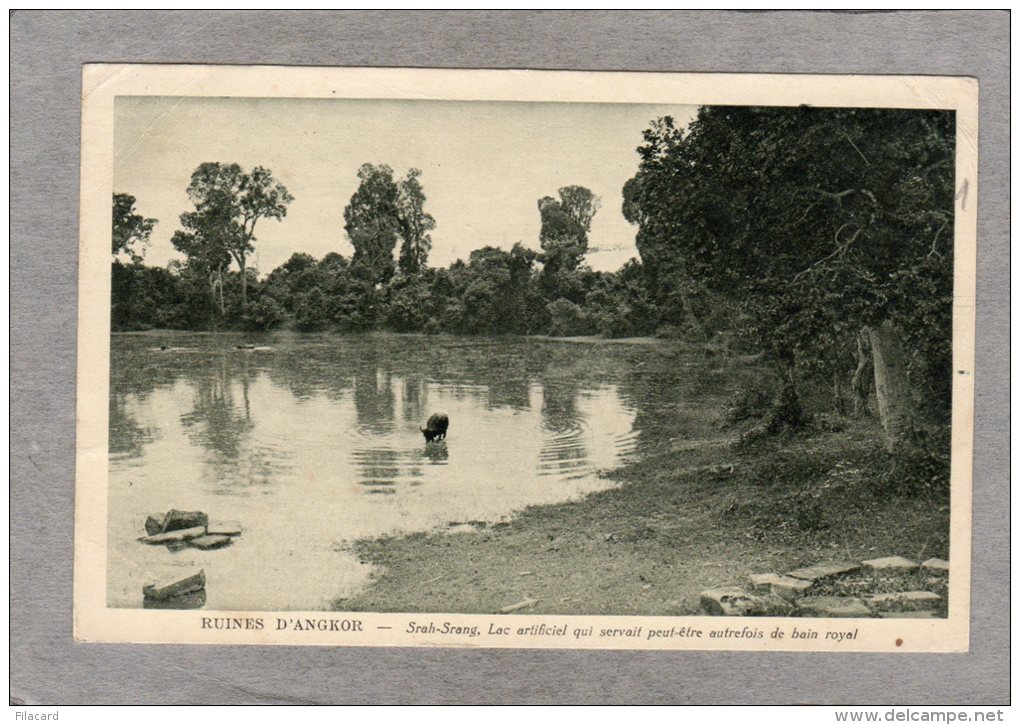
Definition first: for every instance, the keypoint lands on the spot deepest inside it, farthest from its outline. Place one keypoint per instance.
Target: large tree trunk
(860, 383)
(897, 405)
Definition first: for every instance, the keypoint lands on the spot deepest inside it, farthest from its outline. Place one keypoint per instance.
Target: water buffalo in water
(435, 428)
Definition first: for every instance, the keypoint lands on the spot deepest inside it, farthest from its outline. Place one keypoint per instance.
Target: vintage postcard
(525, 359)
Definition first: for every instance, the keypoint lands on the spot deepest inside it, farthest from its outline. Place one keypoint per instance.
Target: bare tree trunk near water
(897, 405)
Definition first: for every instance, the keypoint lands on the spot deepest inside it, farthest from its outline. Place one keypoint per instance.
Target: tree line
(818, 238)
(385, 284)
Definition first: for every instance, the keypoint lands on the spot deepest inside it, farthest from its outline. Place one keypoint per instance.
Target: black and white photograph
(532, 359)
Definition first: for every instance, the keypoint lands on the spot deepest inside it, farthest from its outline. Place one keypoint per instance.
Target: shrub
(567, 318)
(265, 313)
(310, 311)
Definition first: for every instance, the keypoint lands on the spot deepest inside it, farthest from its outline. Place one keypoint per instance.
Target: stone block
(191, 600)
(179, 535)
(832, 607)
(175, 586)
(731, 602)
(824, 569)
(790, 588)
(224, 528)
(763, 581)
(776, 606)
(905, 600)
(890, 563)
(210, 542)
(154, 524)
(176, 520)
(936, 566)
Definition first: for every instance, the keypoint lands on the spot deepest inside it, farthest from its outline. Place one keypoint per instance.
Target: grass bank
(685, 516)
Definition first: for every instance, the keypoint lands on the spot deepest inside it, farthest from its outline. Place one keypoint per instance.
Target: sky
(484, 165)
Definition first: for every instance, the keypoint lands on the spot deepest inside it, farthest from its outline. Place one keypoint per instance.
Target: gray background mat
(47, 51)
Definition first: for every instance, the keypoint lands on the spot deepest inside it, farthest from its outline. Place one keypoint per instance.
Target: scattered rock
(176, 546)
(731, 602)
(176, 520)
(175, 587)
(223, 528)
(179, 535)
(845, 596)
(824, 569)
(908, 615)
(832, 607)
(790, 588)
(890, 563)
(210, 541)
(154, 524)
(940, 566)
(905, 600)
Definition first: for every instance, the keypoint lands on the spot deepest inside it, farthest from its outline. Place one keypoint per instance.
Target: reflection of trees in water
(138, 368)
(561, 454)
(415, 398)
(219, 421)
(222, 420)
(373, 398)
(141, 371)
(385, 466)
(127, 436)
(256, 468)
(559, 403)
(565, 448)
(307, 373)
(509, 383)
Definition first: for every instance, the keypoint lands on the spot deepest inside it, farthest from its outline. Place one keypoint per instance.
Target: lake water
(311, 442)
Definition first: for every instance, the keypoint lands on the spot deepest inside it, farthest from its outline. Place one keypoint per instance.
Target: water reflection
(373, 397)
(221, 418)
(414, 398)
(313, 441)
(127, 436)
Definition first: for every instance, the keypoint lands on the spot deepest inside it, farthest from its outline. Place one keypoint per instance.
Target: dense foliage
(804, 226)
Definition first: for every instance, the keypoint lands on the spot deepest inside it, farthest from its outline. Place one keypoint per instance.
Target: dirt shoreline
(664, 534)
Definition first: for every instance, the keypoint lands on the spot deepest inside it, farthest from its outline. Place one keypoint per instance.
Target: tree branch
(856, 149)
(840, 250)
(838, 195)
(803, 216)
(936, 240)
(834, 195)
